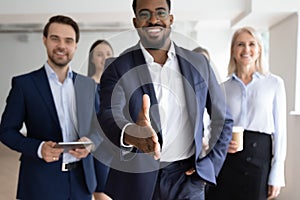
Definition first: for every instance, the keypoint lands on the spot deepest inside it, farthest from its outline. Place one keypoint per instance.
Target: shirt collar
(51, 74)
(255, 75)
(148, 57)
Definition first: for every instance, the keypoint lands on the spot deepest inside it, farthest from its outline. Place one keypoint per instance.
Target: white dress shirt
(261, 106)
(177, 131)
(65, 104)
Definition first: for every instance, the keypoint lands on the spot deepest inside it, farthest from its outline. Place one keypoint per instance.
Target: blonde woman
(257, 102)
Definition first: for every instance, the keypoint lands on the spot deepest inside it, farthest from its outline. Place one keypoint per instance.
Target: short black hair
(134, 5)
(61, 19)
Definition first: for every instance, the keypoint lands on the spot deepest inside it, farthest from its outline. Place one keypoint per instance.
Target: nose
(247, 47)
(61, 44)
(153, 19)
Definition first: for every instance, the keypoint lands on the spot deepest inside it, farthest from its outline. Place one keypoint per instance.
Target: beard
(59, 62)
(154, 43)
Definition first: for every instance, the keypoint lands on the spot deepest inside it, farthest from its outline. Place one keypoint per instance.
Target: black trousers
(174, 184)
(244, 175)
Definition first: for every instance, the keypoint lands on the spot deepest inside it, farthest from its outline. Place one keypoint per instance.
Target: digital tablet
(72, 145)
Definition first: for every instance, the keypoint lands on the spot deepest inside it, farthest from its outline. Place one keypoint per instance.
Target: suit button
(248, 159)
(254, 144)
(246, 173)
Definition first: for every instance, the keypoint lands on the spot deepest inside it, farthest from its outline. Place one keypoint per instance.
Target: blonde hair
(260, 63)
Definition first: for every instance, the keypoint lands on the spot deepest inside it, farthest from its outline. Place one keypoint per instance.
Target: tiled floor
(9, 166)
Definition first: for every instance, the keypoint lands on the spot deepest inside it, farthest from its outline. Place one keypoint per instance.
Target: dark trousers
(69, 185)
(244, 175)
(101, 171)
(174, 184)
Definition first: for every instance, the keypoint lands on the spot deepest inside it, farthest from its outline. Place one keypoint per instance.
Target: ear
(44, 40)
(134, 21)
(171, 19)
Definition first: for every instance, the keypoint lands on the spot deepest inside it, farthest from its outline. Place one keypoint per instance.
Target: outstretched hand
(141, 135)
(144, 116)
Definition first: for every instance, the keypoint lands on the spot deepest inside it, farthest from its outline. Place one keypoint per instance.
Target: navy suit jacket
(30, 101)
(125, 80)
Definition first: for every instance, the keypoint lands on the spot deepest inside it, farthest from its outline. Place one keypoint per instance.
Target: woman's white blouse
(261, 106)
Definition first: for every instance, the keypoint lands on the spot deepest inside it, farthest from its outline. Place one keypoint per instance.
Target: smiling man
(56, 105)
(153, 98)
(153, 24)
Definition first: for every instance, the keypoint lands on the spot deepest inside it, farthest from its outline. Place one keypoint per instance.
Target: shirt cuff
(39, 153)
(122, 136)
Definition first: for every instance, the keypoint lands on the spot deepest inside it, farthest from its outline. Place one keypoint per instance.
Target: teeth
(154, 30)
(246, 55)
(60, 53)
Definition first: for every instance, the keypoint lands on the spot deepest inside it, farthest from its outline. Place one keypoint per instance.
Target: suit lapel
(145, 82)
(144, 76)
(188, 73)
(84, 95)
(42, 84)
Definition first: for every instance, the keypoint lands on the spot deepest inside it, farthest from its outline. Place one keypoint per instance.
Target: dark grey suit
(125, 80)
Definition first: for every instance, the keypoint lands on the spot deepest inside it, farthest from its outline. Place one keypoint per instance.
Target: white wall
(283, 62)
(217, 42)
(18, 53)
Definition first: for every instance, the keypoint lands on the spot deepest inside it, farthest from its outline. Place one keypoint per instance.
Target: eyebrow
(238, 41)
(160, 8)
(56, 36)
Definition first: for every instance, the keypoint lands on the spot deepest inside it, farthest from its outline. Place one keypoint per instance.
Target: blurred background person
(206, 118)
(203, 51)
(99, 52)
(257, 101)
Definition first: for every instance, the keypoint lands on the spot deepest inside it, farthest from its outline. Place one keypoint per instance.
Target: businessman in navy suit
(56, 105)
(152, 101)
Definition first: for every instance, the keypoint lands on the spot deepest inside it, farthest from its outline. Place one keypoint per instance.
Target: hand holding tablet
(73, 145)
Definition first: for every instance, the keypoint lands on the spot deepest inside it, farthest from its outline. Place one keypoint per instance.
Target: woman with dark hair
(99, 52)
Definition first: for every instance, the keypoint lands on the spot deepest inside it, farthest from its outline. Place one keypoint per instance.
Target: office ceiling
(31, 15)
